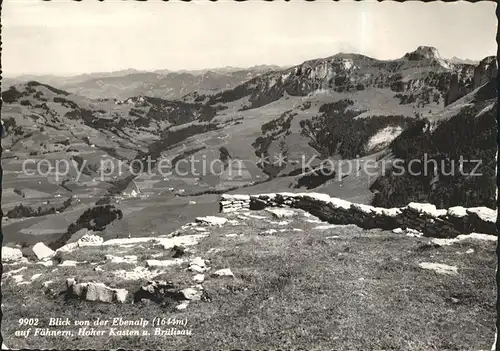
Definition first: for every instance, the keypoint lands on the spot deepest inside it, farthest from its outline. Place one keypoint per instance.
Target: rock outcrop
(42, 252)
(10, 255)
(425, 218)
(485, 71)
(90, 240)
(92, 291)
(164, 292)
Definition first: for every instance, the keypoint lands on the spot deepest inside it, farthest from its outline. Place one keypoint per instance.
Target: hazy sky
(63, 37)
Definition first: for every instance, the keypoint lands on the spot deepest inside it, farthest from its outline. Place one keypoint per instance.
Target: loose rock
(42, 252)
(95, 292)
(226, 272)
(10, 254)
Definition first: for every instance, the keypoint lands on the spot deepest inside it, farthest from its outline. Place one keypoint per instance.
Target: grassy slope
(341, 288)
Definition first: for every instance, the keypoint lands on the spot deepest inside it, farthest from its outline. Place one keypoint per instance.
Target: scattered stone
(192, 294)
(45, 263)
(90, 240)
(192, 202)
(158, 291)
(326, 226)
(199, 278)
(36, 276)
(413, 233)
(47, 283)
(281, 212)
(215, 250)
(314, 221)
(182, 306)
(226, 272)
(472, 236)
(469, 251)
(124, 259)
(128, 241)
(198, 265)
(18, 278)
(269, 232)
(42, 252)
(163, 263)
(398, 231)
(136, 274)
(10, 254)
(92, 291)
(212, 220)
(68, 263)
(185, 240)
(439, 268)
(12, 272)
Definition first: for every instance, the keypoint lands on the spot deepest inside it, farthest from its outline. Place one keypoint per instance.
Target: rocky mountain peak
(487, 61)
(423, 52)
(485, 70)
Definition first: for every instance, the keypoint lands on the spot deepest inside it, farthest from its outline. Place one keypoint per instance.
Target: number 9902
(28, 321)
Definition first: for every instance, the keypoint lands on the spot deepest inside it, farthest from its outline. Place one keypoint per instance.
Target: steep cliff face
(484, 71)
(469, 78)
(423, 52)
(420, 77)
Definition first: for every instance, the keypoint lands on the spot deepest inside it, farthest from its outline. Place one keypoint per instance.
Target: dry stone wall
(426, 218)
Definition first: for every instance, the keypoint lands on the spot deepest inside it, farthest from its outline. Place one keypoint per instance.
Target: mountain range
(282, 125)
(158, 83)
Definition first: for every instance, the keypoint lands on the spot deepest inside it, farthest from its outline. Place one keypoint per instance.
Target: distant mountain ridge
(164, 84)
(420, 75)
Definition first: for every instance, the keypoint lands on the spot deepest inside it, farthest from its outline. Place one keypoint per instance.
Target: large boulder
(10, 254)
(92, 291)
(42, 252)
(90, 240)
(192, 293)
(164, 292)
(198, 265)
(158, 291)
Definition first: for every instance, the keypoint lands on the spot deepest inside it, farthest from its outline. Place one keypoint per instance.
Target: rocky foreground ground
(268, 278)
